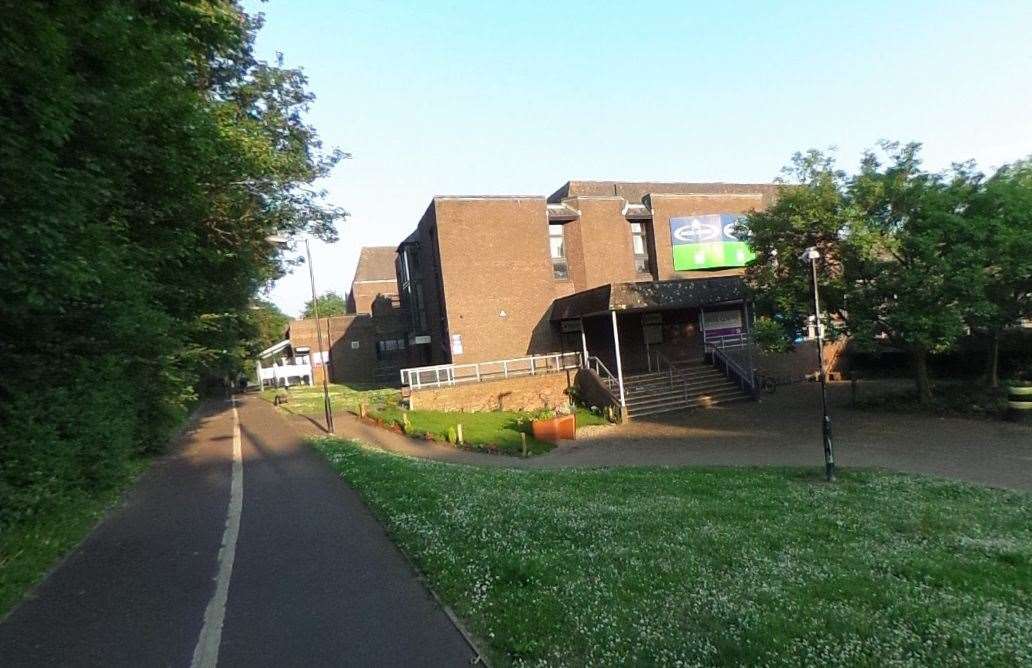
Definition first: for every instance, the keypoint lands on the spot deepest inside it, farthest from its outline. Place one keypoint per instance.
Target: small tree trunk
(993, 366)
(924, 385)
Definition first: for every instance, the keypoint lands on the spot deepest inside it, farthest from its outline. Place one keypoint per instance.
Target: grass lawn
(667, 566)
(29, 549)
(491, 430)
(308, 399)
(483, 430)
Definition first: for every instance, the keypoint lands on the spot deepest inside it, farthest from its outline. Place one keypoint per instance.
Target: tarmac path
(781, 430)
(272, 561)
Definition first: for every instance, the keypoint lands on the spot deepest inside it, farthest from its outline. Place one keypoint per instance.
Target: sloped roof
(648, 295)
(375, 263)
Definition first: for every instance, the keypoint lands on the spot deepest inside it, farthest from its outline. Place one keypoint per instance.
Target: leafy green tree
(269, 323)
(913, 270)
(1000, 220)
(898, 264)
(330, 303)
(147, 156)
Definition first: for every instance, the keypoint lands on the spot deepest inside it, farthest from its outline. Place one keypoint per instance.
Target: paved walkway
(782, 429)
(313, 579)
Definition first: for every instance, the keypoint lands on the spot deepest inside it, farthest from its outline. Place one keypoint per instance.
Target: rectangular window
(557, 249)
(640, 246)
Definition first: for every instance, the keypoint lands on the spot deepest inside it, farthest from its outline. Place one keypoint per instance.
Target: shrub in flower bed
(684, 567)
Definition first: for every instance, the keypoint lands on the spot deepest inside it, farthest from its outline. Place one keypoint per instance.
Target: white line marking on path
(206, 653)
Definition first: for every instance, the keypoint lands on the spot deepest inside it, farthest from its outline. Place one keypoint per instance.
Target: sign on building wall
(456, 344)
(722, 323)
(707, 242)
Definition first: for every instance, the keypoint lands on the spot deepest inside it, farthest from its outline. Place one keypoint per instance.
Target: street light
(811, 255)
(327, 407)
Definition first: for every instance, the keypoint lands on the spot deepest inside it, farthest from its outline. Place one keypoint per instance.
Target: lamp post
(327, 406)
(811, 255)
(318, 337)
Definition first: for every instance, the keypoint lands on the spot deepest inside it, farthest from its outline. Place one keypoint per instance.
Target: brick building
(375, 278)
(368, 345)
(486, 278)
(635, 275)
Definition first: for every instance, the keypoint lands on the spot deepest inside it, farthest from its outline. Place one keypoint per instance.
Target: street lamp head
(810, 254)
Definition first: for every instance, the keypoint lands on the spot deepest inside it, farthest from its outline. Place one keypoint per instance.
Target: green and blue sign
(707, 242)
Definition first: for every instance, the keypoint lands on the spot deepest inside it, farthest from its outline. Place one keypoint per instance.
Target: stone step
(665, 377)
(660, 400)
(683, 405)
(666, 388)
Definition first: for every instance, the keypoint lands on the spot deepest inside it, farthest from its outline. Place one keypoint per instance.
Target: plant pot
(553, 430)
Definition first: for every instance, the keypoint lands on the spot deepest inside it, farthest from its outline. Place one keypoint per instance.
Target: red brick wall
(497, 275)
(364, 293)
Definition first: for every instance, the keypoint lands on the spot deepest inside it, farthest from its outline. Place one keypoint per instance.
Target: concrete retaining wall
(526, 393)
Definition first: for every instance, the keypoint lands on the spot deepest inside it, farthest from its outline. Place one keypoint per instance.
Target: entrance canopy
(648, 296)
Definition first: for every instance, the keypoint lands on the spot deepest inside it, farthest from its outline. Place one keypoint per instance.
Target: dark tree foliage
(330, 303)
(145, 156)
(270, 323)
(909, 258)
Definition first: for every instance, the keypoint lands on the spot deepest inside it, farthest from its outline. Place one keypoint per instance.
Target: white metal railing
(610, 383)
(442, 375)
(726, 340)
(283, 373)
(603, 372)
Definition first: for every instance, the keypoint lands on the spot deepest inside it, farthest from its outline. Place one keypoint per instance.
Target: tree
(1000, 219)
(898, 264)
(330, 303)
(269, 324)
(147, 156)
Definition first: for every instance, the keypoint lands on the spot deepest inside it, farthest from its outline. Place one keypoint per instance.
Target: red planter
(555, 429)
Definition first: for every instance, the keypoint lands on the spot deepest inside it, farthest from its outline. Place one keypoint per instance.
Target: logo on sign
(698, 230)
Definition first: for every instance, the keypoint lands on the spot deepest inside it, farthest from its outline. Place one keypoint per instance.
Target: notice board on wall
(707, 242)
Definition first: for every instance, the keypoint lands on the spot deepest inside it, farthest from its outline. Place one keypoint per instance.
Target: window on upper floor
(641, 248)
(557, 249)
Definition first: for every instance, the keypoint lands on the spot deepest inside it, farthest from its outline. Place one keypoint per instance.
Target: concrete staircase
(696, 385)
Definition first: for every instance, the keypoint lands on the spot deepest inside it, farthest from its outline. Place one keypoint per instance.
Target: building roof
(375, 263)
(635, 191)
(648, 296)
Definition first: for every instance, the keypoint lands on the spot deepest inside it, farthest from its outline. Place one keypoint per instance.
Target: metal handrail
(672, 369)
(455, 374)
(727, 341)
(745, 379)
(606, 377)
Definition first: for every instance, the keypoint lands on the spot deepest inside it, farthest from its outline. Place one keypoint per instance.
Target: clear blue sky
(485, 97)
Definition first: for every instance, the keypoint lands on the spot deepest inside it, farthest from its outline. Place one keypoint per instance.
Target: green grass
(489, 430)
(30, 548)
(667, 566)
(494, 431)
(308, 399)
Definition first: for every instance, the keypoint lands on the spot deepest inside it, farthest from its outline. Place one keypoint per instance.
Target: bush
(770, 335)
